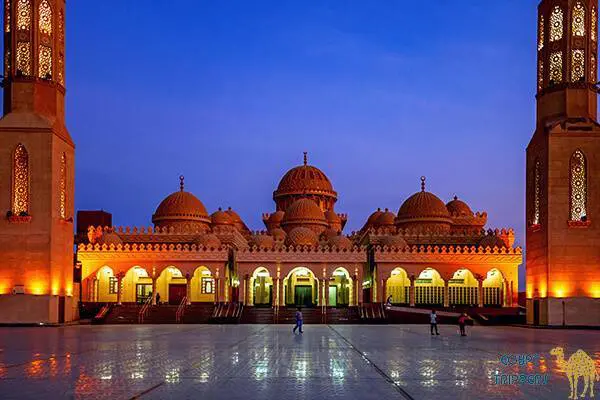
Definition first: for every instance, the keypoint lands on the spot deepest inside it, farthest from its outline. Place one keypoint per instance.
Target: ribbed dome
(424, 210)
(262, 241)
(209, 240)
(221, 217)
(301, 236)
(386, 218)
(304, 212)
(394, 241)
(181, 208)
(373, 217)
(341, 242)
(459, 208)
(492, 241)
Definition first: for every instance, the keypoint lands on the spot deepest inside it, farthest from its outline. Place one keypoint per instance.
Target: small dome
(301, 236)
(386, 218)
(373, 217)
(394, 241)
(262, 241)
(221, 217)
(110, 237)
(424, 209)
(332, 217)
(340, 242)
(278, 234)
(180, 208)
(209, 240)
(304, 212)
(492, 241)
(459, 208)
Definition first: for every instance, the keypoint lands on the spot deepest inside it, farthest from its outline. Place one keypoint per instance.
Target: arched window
(556, 67)
(541, 33)
(63, 186)
(578, 23)
(537, 192)
(556, 24)
(578, 183)
(577, 65)
(23, 14)
(45, 19)
(20, 197)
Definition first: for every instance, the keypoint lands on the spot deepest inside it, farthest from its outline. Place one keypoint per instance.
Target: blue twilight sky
(230, 93)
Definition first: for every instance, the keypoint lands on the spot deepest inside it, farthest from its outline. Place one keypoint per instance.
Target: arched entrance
(171, 285)
(136, 286)
(493, 288)
(202, 289)
(261, 283)
(462, 288)
(398, 286)
(341, 288)
(429, 288)
(301, 288)
(105, 286)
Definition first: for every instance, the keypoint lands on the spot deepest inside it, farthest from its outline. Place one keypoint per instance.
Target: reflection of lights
(261, 369)
(203, 377)
(337, 371)
(137, 375)
(172, 376)
(235, 358)
(106, 377)
(300, 370)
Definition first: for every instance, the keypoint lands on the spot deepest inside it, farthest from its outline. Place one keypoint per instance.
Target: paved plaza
(269, 362)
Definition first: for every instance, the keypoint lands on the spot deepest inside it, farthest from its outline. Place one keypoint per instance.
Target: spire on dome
(305, 158)
(455, 197)
(181, 178)
(423, 184)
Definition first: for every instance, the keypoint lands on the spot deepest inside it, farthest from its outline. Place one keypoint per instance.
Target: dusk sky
(231, 93)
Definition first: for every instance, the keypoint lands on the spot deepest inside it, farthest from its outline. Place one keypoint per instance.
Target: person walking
(433, 322)
(462, 321)
(298, 320)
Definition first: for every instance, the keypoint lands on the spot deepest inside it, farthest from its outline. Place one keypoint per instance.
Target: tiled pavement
(269, 362)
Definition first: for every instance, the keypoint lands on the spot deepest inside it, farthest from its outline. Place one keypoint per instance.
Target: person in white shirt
(433, 321)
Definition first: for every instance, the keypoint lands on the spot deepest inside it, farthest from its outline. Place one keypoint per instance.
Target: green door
(303, 296)
(333, 296)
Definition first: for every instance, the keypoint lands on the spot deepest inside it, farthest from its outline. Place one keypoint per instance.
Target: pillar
(154, 290)
(446, 293)
(188, 289)
(480, 291)
(411, 292)
(326, 288)
(244, 291)
(504, 293)
(92, 289)
(281, 293)
(120, 276)
(514, 297)
(217, 290)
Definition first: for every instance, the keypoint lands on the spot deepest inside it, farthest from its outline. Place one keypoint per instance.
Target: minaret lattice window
(24, 14)
(578, 26)
(537, 191)
(63, 186)
(577, 65)
(578, 186)
(541, 33)
(556, 24)
(20, 197)
(556, 67)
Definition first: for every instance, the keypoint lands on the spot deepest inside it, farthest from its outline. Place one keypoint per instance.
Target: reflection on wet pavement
(268, 362)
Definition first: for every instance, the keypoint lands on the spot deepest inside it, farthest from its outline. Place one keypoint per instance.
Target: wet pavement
(269, 362)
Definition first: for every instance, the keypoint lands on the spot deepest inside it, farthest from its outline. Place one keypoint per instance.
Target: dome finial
(455, 197)
(423, 184)
(305, 158)
(181, 178)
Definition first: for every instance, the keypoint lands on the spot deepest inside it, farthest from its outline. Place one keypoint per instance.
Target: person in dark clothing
(157, 298)
(462, 321)
(298, 320)
(433, 321)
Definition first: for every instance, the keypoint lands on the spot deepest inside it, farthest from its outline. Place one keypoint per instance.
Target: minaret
(562, 193)
(36, 168)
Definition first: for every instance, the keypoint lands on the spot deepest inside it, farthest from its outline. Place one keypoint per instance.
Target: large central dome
(424, 211)
(182, 210)
(305, 181)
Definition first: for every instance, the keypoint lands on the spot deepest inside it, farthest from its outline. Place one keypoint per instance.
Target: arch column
(504, 293)
(411, 291)
(92, 289)
(446, 293)
(154, 278)
(245, 290)
(479, 291)
(281, 291)
(188, 289)
(120, 277)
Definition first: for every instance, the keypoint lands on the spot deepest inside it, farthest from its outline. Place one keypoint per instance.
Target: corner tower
(563, 167)
(36, 168)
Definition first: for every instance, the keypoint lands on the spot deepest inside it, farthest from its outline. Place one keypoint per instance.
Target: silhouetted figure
(298, 320)
(433, 321)
(157, 298)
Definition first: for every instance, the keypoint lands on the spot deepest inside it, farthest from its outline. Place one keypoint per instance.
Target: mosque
(430, 253)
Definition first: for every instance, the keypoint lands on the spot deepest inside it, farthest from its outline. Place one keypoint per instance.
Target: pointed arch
(578, 20)
(578, 187)
(20, 192)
